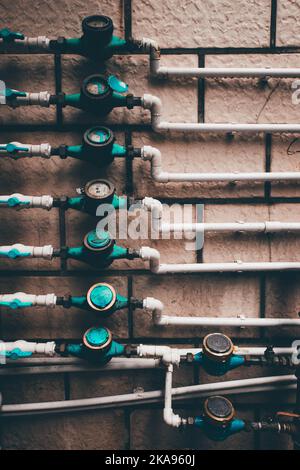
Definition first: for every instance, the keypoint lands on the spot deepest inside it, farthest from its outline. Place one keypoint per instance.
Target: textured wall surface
(174, 24)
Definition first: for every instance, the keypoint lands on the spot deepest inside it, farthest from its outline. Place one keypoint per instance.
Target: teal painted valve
(95, 194)
(98, 250)
(218, 421)
(97, 346)
(101, 298)
(98, 95)
(97, 41)
(98, 147)
(217, 356)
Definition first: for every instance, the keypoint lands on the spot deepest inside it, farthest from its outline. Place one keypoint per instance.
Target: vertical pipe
(297, 410)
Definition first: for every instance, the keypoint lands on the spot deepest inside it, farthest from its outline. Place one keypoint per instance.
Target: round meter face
(99, 189)
(99, 22)
(96, 87)
(98, 136)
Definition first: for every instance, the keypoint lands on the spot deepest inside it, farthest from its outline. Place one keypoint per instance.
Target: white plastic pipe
(20, 201)
(29, 367)
(20, 300)
(47, 348)
(22, 251)
(153, 256)
(255, 227)
(153, 155)
(240, 321)
(156, 307)
(153, 103)
(32, 150)
(170, 417)
(37, 45)
(173, 355)
(41, 98)
(158, 71)
(274, 383)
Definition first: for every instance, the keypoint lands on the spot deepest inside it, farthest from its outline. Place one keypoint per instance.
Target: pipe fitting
(152, 255)
(154, 104)
(21, 300)
(153, 155)
(21, 251)
(168, 355)
(154, 306)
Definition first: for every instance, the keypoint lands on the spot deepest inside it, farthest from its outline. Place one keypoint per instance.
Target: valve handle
(116, 84)
(15, 354)
(13, 148)
(11, 94)
(9, 36)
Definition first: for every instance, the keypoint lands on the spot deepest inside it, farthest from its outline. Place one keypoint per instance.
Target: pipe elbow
(153, 103)
(155, 306)
(148, 45)
(171, 418)
(152, 255)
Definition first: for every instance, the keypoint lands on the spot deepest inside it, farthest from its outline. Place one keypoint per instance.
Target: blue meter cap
(98, 239)
(97, 338)
(101, 296)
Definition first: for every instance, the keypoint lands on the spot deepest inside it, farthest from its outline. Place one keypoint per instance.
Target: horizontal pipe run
(182, 393)
(228, 127)
(116, 364)
(264, 227)
(226, 321)
(152, 154)
(227, 72)
(154, 104)
(231, 177)
(228, 267)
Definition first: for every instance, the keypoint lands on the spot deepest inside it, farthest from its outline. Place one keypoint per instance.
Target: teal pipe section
(14, 201)
(80, 253)
(219, 368)
(15, 354)
(14, 253)
(219, 433)
(115, 350)
(15, 303)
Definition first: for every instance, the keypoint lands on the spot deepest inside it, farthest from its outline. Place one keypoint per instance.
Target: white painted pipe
(29, 367)
(180, 393)
(256, 227)
(37, 45)
(20, 201)
(212, 72)
(173, 355)
(170, 417)
(153, 155)
(47, 348)
(32, 150)
(153, 256)
(20, 300)
(22, 251)
(240, 321)
(41, 98)
(153, 103)
(156, 307)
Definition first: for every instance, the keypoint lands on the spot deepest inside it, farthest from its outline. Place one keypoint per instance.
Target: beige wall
(173, 23)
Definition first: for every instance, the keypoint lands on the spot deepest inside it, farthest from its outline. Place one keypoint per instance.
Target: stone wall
(174, 24)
